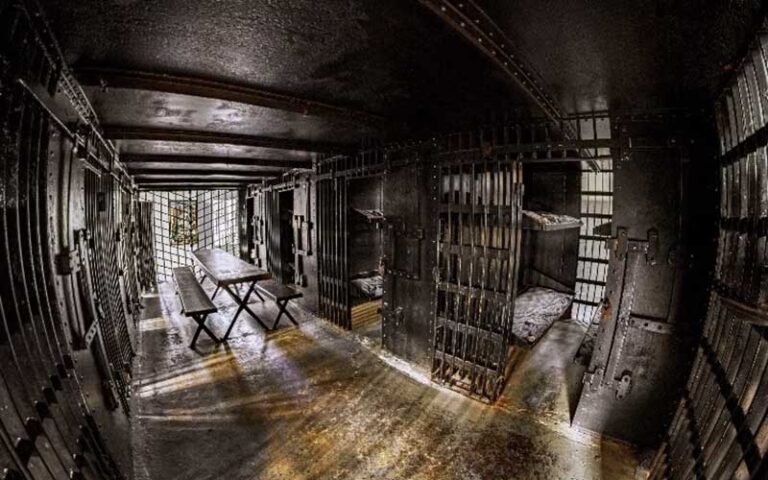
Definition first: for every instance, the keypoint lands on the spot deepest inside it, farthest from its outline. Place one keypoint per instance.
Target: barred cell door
(478, 248)
(273, 235)
(333, 274)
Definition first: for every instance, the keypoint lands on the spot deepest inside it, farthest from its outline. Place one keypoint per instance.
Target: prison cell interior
(484, 238)
(284, 238)
(549, 249)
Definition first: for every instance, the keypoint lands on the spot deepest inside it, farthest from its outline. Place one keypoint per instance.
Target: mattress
(368, 287)
(536, 310)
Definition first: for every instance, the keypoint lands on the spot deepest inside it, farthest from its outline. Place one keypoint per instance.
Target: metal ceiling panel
(128, 107)
(145, 147)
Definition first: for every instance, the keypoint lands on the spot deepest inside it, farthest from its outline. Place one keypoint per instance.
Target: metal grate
(183, 221)
(477, 254)
(596, 213)
(99, 244)
(332, 250)
(592, 267)
(145, 249)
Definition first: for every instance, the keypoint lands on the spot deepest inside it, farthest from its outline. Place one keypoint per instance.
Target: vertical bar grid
(596, 211)
(717, 430)
(477, 258)
(186, 220)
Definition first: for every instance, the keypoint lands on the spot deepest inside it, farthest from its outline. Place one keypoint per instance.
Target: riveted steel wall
(719, 429)
(65, 344)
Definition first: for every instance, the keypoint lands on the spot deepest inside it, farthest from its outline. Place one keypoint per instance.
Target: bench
(281, 294)
(194, 301)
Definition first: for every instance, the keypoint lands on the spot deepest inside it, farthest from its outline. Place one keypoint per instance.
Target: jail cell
(478, 250)
(45, 426)
(718, 429)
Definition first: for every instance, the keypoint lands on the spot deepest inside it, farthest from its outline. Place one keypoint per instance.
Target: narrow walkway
(314, 403)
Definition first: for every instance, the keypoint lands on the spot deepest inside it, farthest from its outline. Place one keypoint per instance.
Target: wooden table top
(226, 269)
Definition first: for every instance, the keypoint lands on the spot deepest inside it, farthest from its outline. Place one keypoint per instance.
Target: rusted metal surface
(654, 296)
(191, 149)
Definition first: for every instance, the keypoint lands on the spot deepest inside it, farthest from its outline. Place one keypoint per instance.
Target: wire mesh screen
(184, 221)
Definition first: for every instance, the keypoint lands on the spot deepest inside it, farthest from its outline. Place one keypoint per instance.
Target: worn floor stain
(316, 403)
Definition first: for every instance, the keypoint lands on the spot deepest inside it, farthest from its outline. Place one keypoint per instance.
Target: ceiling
(629, 54)
(240, 90)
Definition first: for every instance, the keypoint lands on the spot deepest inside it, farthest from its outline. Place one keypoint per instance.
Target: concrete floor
(315, 402)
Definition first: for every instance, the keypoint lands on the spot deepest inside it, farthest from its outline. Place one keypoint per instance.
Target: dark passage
(412, 239)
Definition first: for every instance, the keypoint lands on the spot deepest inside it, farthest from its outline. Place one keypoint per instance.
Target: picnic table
(227, 271)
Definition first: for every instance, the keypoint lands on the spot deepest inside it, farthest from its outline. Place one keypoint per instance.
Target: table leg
(283, 306)
(201, 328)
(243, 305)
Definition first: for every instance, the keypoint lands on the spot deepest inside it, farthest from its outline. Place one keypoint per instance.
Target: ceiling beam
(187, 186)
(199, 87)
(183, 178)
(197, 181)
(204, 172)
(128, 158)
(112, 132)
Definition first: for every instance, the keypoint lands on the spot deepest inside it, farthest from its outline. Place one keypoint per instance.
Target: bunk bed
(546, 299)
(366, 284)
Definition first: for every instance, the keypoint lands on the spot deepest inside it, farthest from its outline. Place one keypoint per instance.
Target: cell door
(333, 274)
(407, 308)
(478, 249)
